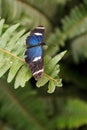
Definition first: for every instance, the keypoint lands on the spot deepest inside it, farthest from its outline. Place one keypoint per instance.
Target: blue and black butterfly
(34, 52)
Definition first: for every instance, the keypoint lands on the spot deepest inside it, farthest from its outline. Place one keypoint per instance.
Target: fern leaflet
(12, 49)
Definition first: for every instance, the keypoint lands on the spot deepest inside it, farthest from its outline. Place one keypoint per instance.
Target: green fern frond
(51, 73)
(44, 7)
(74, 114)
(12, 49)
(23, 110)
(20, 12)
(72, 26)
(76, 23)
(54, 41)
(79, 48)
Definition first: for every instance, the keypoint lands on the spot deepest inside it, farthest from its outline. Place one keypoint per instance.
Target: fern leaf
(1, 25)
(54, 41)
(23, 75)
(44, 7)
(6, 36)
(4, 68)
(72, 26)
(75, 24)
(51, 64)
(17, 109)
(51, 87)
(74, 114)
(79, 48)
(14, 39)
(51, 73)
(11, 48)
(12, 60)
(25, 14)
(14, 69)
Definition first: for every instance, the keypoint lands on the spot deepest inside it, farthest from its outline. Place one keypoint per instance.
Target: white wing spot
(36, 58)
(37, 72)
(38, 34)
(40, 27)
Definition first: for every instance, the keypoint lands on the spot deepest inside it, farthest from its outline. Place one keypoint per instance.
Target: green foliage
(18, 12)
(11, 55)
(79, 48)
(72, 26)
(54, 41)
(52, 69)
(31, 107)
(12, 59)
(25, 110)
(44, 7)
(73, 114)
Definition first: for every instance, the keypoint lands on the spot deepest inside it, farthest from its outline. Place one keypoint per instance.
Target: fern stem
(9, 53)
(50, 77)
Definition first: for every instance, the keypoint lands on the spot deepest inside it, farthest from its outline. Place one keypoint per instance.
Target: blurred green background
(32, 108)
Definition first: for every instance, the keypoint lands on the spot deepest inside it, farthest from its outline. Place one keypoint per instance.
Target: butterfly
(34, 52)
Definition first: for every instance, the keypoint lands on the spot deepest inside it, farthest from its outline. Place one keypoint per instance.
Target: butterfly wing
(34, 52)
(34, 58)
(36, 37)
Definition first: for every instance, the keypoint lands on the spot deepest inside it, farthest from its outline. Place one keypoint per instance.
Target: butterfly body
(34, 52)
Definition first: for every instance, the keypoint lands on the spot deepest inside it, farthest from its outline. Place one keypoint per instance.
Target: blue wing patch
(34, 40)
(34, 52)
(36, 37)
